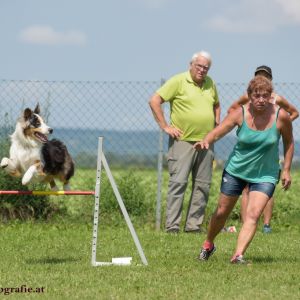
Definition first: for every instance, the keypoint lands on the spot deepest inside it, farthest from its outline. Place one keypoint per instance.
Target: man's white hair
(204, 54)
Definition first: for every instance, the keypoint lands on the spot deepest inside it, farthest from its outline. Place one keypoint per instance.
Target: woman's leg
(256, 205)
(230, 185)
(244, 203)
(218, 219)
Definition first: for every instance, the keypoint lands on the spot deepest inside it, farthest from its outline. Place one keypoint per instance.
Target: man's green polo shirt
(192, 107)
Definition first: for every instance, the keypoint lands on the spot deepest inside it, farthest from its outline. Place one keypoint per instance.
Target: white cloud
(291, 9)
(46, 35)
(255, 16)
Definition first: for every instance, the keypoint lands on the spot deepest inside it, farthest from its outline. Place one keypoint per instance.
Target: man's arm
(287, 106)
(156, 106)
(286, 129)
(236, 104)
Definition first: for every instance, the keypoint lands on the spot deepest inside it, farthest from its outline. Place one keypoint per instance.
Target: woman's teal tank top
(255, 157)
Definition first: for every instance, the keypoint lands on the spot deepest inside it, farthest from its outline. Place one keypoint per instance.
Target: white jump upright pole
(102, 159)
(96, 208)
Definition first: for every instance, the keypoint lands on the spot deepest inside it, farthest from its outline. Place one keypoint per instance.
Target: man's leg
(201, 176)
(180, 159)
(174, 205)
(267, 213)
(197, 206)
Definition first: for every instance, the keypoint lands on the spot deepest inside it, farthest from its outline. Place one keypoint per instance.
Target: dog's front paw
(29, 175)
(25, 181)
(4, 162)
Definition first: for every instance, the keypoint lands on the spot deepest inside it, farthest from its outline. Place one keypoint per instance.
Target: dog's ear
(27, 114)
(37, 109)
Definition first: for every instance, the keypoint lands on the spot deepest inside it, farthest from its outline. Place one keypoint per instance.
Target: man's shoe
(206, 253)
(267, 228)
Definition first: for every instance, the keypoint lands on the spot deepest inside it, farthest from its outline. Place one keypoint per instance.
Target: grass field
(55, 256)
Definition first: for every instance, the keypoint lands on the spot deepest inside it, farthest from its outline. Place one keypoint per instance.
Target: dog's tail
(56, 159)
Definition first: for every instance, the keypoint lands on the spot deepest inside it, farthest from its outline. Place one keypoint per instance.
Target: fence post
(159, 179)
(159, 175)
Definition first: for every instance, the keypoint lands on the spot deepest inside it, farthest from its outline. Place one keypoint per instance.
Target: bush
(131, 191)
(23, 207)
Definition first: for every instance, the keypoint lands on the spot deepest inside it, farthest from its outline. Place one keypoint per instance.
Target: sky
(144, 40)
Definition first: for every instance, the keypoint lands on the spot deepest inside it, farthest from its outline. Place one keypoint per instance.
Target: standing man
(195, 111)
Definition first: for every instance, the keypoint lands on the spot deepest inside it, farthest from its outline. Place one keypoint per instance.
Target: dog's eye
(34, 121)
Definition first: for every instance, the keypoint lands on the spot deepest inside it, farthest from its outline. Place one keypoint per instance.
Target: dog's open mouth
(42, 137)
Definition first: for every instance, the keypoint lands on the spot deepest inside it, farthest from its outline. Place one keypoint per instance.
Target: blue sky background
(147, 39)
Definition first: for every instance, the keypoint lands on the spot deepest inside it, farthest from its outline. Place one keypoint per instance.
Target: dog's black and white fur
(33, 156)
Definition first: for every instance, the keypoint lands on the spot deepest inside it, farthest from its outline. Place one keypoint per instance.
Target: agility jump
(100, 160)
(47, 193)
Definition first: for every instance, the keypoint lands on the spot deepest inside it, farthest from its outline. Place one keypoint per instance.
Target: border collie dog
(34, 157)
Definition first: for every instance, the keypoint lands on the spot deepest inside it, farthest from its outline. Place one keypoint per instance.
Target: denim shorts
(233, 186)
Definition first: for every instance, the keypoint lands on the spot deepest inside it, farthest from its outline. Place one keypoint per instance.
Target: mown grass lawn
(55, 256)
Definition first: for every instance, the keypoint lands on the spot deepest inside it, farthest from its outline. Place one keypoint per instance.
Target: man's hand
(173, 131)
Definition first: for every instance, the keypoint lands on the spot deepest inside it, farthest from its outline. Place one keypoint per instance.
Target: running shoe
(239, 260)
(206, 253)
(267, 228)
